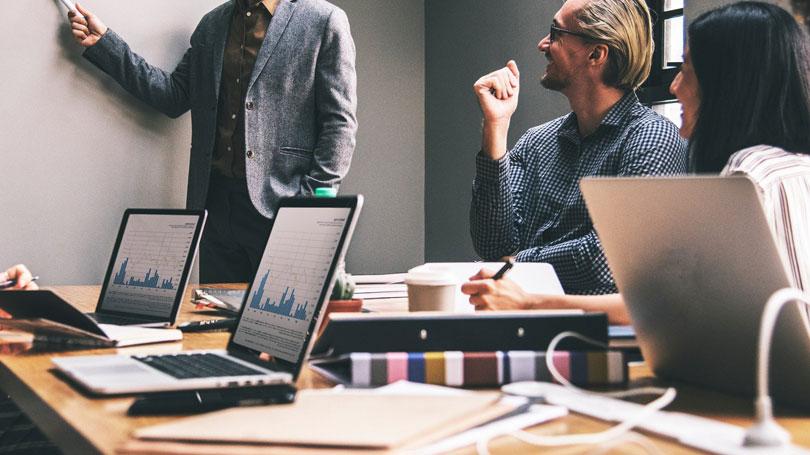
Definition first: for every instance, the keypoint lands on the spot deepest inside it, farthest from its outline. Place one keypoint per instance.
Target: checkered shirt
(528, 203)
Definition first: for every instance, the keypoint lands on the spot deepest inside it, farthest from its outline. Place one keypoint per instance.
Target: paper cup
(431, 289)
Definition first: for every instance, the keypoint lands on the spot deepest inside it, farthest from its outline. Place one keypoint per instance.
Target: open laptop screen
(151, 261)
(291, 281)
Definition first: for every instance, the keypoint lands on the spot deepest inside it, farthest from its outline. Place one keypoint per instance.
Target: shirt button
(229, 148)
(248, 14)
(249, 153)
(249, 105)
(233, 116)
(237, 80)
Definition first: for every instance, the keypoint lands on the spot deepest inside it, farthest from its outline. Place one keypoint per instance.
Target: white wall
(77, 150)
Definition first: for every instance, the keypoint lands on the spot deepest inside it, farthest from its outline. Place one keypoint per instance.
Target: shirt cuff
(489, 170)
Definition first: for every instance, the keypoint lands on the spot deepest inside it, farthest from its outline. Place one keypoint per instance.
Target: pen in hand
(507, 265)
(10, 283)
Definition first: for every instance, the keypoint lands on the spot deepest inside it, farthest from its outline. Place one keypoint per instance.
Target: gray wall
(389, 163)
(465, 40)
(77, 150)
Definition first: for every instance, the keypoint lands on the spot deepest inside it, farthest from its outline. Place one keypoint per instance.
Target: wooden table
(79, 423)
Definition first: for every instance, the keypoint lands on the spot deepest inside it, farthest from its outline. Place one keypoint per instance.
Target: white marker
(71, 7)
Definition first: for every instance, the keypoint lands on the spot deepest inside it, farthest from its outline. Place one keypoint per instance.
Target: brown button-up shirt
(245, 36)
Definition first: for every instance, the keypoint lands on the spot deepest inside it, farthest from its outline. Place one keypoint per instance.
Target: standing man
(271, 86)
(527, 202)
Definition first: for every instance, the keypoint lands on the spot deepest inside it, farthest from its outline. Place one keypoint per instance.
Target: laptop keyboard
(189, 366)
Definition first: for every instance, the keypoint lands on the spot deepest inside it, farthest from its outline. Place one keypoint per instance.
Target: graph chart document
(293, 272)
(149, 264)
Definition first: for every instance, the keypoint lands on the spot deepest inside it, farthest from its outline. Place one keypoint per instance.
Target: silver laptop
(696, 262)
(149, 267)
(281, 312)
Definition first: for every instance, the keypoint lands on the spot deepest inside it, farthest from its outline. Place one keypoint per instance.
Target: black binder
(482, 331)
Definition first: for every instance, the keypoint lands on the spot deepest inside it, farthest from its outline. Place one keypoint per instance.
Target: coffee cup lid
(425, 275)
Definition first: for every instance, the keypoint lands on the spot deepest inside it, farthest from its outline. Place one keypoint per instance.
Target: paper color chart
(149, 264)
(293, 271)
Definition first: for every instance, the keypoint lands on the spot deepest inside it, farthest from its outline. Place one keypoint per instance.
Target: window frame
(655, 89)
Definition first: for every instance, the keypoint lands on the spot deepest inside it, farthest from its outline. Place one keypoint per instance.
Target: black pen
(507, 265)
(9, 283)
(211, 324)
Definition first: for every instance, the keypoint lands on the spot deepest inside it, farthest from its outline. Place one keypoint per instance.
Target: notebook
(281, 312)
(352, 419)
(57, 323)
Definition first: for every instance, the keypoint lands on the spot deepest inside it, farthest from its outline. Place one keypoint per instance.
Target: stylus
(9, 283)
(507, 265)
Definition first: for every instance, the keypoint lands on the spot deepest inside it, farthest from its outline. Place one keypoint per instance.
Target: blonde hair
(626, 27)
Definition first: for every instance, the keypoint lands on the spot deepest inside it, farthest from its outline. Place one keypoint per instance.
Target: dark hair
(751, 62)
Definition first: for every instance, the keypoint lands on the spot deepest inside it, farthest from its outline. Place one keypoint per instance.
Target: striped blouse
(783, 180)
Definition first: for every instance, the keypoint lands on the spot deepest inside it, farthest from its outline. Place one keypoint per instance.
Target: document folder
(433, 331)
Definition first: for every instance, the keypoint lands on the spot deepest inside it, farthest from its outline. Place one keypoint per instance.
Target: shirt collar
(269, 5)
(616, 116)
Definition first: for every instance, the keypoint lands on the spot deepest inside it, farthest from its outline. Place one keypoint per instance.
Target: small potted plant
(341, 300)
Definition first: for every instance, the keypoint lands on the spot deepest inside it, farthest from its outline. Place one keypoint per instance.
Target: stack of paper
(388, 286)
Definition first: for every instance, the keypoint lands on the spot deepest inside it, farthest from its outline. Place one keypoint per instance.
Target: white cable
(766, 432)
(552, 346)
(667, 396)
(629, 438)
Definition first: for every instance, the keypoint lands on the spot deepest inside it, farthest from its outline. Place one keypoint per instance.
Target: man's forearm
(612, 304)
(493, 138)
(166, 92)
(579, 263)
(492, 209)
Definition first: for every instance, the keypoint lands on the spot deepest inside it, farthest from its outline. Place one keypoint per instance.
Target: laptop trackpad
(115, 370)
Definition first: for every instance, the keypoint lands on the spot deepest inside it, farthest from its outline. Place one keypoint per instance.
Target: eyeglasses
(555, 32)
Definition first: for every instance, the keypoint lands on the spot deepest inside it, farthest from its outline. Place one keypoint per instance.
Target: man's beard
(553, 82)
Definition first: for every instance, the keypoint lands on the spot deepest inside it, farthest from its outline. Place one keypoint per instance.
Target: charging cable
(766, 432)
(666, 397)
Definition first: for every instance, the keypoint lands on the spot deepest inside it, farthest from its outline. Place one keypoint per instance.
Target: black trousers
(235, 233)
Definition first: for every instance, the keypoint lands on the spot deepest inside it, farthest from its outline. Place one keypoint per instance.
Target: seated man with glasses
(526, 202)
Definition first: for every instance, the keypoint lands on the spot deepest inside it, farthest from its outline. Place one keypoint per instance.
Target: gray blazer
(300, 109)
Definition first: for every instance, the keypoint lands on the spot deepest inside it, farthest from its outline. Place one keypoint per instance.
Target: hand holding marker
(69, 5)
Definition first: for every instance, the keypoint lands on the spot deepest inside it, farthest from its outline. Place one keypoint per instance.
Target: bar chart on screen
(149, 264)
(283, 306)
